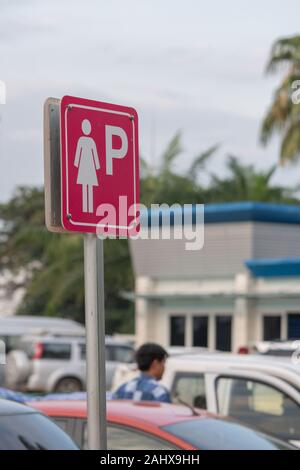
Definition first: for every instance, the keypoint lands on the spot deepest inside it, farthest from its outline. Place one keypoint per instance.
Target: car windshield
(217, 434)
(32, 431)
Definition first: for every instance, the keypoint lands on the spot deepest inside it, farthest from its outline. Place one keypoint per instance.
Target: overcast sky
(190, 65)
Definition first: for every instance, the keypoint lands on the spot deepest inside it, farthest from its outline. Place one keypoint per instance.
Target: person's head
(151, 358)
(86, 127)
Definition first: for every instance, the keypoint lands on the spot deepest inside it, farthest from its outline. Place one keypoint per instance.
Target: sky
(193, 66)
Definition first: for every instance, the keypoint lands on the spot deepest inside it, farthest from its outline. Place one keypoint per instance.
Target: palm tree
(165, 185)
(245, 183)
(283, 115)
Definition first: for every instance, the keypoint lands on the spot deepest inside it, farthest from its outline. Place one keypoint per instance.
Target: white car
(260, 391)
(288, 348)
(12, 328)
(57, 363)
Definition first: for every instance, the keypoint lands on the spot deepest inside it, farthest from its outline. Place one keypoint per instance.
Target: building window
(293, 326)
(200, 331)
(272, 327)
(223, 333)
(177, 330)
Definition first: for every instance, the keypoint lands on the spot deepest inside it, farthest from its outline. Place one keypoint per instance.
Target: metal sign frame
(52, 165)
(94, 280)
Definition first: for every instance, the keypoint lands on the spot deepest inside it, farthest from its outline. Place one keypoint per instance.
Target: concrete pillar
(242, 289)
(240, 324)
(211, 331)
(143, 285)
(188, 340)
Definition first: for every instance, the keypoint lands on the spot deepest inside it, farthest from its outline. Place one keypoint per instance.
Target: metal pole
(95, 341)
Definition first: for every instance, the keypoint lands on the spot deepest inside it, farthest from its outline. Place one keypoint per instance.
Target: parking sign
(99, 167)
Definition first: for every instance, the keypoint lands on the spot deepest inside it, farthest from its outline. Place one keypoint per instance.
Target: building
(243, 286)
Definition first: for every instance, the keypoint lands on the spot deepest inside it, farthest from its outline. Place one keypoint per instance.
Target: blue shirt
(143, 388)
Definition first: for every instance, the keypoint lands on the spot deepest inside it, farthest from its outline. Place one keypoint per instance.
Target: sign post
(92, 187)
(95, 341)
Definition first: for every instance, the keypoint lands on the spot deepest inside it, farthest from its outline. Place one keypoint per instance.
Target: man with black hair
(150, 358)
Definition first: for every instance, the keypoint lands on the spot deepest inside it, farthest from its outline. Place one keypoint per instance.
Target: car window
(56, 351)
(122, 354)
(11, 342)
(190, 388)
(47, 350)
(73, 427)
(121, 438)
(219, 434)
(125, 438)
(32, 431)
(82, 348)
(63, 423)
(260, 405)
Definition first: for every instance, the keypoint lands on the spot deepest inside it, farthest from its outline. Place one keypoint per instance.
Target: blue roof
(281, 267)
(252, 211)
(230, 212)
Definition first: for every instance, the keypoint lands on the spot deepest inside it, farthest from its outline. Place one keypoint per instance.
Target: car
(25, 428)
(282, 348)
(12, 328)
(256, 390)
(159, 426)
(54, 363)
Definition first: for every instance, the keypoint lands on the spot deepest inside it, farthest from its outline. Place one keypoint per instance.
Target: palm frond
(200, 161)
(269, 173)
(276, 116)
(172, 151)
(285, 51)
(290, 146)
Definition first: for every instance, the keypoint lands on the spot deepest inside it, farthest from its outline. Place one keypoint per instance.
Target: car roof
(153, 413)
(63, 338)
(110, 340)
(20, 324)
(8, 407)
(277, 366)
(48, 338)
(243, 360)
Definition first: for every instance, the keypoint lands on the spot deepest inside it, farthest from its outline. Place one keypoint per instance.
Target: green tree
(245, 183)
(51, 265)
(283, 115)
(165, 185)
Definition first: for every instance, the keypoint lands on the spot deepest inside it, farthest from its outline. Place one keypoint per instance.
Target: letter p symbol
(111, 153)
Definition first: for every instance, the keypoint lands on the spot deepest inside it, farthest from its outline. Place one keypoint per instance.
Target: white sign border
(119, 227)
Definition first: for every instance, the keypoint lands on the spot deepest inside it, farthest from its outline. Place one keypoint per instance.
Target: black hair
(147, 353)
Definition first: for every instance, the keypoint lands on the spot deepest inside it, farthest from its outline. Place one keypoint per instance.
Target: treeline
(51, 265)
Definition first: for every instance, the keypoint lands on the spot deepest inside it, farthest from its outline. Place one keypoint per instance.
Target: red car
(158, 426)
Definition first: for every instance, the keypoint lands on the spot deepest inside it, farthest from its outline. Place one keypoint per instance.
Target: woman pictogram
(86, 158)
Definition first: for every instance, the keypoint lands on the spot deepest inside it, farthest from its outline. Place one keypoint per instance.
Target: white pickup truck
(263, 392)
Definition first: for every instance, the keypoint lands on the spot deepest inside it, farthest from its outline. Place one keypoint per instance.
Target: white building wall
(214, 281)
(226, 247)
